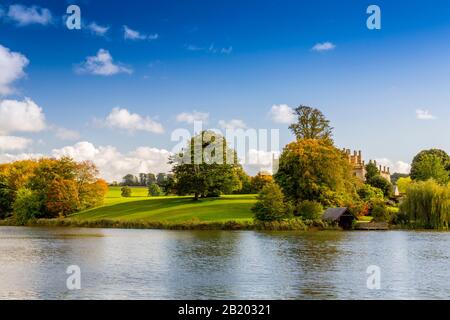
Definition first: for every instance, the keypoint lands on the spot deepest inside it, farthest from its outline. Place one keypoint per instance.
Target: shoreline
(230, 225)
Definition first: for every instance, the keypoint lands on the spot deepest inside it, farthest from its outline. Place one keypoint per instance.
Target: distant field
(140, 207)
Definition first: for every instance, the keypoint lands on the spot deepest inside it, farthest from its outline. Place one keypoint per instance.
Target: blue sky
(386, 92)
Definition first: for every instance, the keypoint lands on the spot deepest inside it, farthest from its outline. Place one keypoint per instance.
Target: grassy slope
(139, 207)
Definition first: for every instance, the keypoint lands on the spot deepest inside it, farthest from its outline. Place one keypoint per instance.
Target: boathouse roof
(335, 213)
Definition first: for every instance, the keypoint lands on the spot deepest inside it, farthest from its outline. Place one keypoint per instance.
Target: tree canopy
(206, 167)
(311, 124)
(374, 179)
(311, 169)
(431, 164)
(49, 188)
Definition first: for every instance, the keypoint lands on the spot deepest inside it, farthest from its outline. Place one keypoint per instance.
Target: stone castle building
(359, 165)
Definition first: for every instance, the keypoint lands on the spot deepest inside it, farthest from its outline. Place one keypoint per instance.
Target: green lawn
(140, 207)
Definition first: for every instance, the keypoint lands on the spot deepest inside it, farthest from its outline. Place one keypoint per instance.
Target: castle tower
(359, 165)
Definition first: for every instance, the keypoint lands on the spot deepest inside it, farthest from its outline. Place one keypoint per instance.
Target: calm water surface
(160, 264)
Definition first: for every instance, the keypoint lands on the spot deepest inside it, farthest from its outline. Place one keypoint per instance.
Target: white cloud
(424, 115)
(121, 118)
(190, 117)
(113, 165)
(21, 116)
(130, 34)
(233, 124)
(282, 114)
(98, 29)
(211, 49)
(66, 134)
(11, 143)
(23, 15)
(11, 69)
(398, 166)
(7, 157)
(325, 46)
(192, 47)
(226, 50)
(259, 160)
(102, 64)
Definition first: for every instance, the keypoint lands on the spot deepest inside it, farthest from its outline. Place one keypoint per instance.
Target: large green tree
(431, 164)
(311, 169)
(311, 124)
(206, 167)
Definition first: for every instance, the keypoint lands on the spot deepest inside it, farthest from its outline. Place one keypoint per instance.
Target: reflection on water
(160, 264)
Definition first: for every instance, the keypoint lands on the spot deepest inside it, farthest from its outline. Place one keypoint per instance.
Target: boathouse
(342, 216)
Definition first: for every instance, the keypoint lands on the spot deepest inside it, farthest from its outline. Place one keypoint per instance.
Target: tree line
(48, 188)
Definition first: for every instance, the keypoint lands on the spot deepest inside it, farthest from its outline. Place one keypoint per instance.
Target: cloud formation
(210, 49)
(397, 166)
(282, 113)
(233, 124)
(12, 66)
(98, 29)
(130, 34)
(325, 46)
(190, 117)
(66, 134)
(112, 164)
(102, 64)
(24, 16)
(259, 161)
(12, 143)
(121, 118)
(21, 116)
(424, 115)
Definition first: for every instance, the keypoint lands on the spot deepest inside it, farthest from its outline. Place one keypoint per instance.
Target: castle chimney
(380, 167)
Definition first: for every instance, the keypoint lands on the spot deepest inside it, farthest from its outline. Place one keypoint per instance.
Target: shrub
(380, 213)
(154, 190)
(400, 218)
(26, 206)
(309, 210)
(358, 208)
(125, 192)
(271, 204)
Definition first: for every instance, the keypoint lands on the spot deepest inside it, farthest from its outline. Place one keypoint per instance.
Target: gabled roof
(334, 213)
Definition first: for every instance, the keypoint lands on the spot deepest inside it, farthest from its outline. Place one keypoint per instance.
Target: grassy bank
(230, 212)
(169, 209)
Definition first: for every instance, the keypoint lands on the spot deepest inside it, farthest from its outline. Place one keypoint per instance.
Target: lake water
(160, 264)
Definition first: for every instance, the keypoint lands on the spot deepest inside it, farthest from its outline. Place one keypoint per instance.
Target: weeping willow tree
(428, 205)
